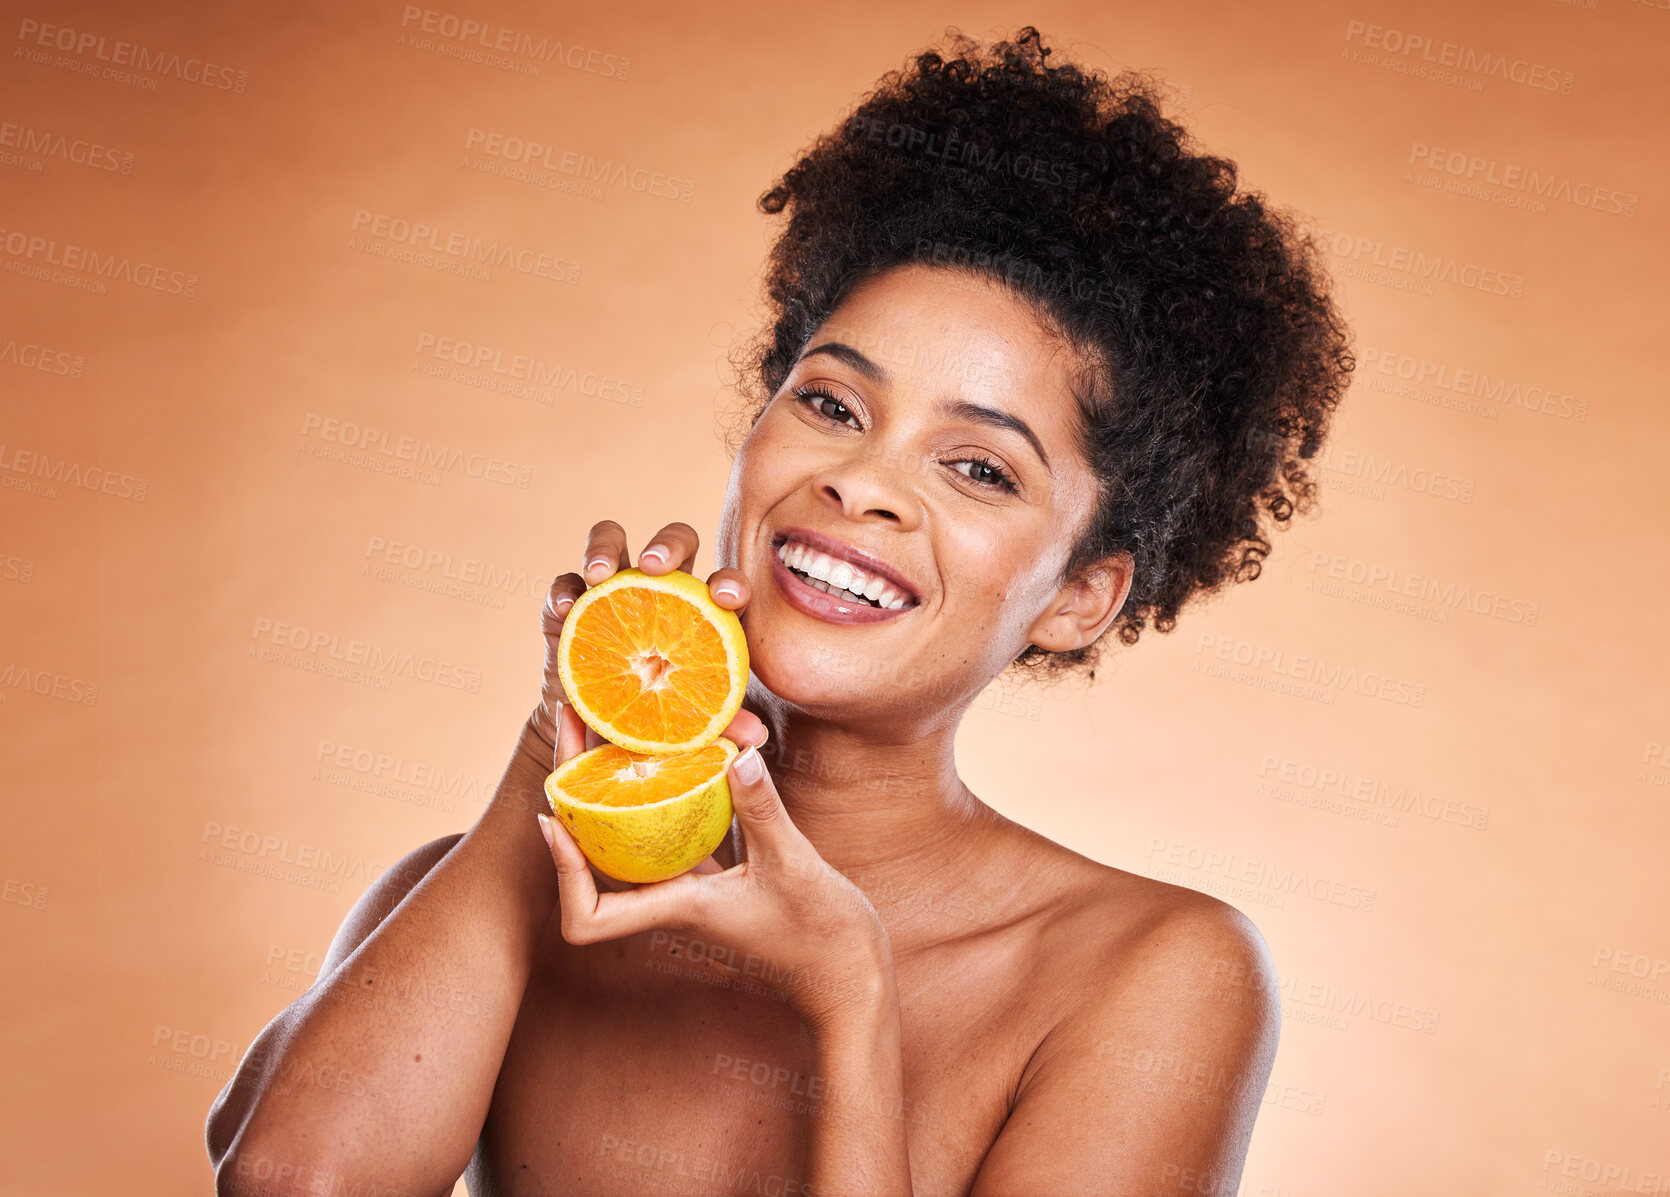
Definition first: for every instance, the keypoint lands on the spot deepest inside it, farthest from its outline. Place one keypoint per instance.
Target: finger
(710, 865)
(592, 917)
(605, 551)
(729, 588)
(674, 547)
(565, 588)
(571, 734)
(746, 730)
(576, 891)
(767, 831)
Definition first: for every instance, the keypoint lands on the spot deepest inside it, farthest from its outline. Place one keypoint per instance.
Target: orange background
(1494, 1023)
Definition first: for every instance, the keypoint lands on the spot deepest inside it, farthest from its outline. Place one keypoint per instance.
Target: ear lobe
(1082, 609)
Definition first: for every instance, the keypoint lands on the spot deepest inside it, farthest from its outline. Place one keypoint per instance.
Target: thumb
(767, 830)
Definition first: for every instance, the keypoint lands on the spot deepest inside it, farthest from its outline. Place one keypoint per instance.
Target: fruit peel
(650, 842)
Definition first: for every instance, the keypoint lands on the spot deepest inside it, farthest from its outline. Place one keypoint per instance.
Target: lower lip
(826, 607)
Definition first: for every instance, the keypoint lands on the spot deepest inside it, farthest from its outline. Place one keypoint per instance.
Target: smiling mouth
(838, 578)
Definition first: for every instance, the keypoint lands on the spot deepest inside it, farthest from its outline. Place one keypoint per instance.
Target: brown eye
(826, 404)
(983, 471)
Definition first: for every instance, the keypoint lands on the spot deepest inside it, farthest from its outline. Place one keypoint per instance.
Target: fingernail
(545, 830)
(565, 602)
(655, 552)
(748, 766)
(595, 562)
(728, 590)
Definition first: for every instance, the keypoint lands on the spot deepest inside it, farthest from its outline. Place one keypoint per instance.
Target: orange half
(644, 818)
(652, 663)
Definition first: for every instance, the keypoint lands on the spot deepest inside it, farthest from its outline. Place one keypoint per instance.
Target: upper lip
(841, 551)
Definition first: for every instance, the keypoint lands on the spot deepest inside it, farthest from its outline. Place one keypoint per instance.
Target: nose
(871, 486)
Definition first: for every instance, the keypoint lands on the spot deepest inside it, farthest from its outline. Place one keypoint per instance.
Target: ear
(1081, 610)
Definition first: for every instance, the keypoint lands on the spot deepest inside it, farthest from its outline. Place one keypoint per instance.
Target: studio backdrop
(327, 332)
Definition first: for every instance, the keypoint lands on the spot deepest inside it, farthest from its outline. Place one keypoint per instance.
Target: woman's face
(927, 434)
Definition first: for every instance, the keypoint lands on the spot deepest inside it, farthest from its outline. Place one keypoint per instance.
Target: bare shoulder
(1159, 1032)
(1161, 1021)
(1132, 948)
(382, 896)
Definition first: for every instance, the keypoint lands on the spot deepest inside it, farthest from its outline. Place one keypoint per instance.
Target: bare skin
(878, 984)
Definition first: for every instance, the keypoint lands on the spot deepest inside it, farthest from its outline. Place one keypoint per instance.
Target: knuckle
(562, 586)
(698, 905)
(605, 528)
(765, 810)
(576, 931)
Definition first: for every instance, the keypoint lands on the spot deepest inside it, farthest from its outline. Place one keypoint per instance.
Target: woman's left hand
(816, 935)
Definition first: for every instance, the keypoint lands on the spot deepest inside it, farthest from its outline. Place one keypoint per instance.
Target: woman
(1035, 371)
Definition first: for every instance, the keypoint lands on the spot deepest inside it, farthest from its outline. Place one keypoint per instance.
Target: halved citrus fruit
(644, 818)
(652, 663)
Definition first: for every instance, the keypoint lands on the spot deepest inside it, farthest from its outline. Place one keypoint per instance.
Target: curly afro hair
(1213, 352)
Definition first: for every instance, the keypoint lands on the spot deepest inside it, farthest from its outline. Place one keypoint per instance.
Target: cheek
(757, 479)
(998, 572)
(976, 569)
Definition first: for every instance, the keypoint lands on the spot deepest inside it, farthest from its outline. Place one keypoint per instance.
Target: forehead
(949, 333)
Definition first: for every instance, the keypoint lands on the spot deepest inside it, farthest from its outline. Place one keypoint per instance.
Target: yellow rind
(725, 622)
(652, 842)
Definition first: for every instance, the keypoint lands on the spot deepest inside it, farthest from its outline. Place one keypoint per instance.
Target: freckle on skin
(418, 1057)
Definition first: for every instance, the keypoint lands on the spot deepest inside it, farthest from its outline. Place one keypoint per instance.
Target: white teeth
(839, 578)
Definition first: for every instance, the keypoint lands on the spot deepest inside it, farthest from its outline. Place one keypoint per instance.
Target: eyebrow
(853, 358)
(974, 413)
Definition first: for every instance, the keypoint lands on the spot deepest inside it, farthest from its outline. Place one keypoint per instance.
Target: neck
(888, 811)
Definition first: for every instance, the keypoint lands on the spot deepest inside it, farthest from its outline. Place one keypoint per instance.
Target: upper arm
(1153, 1083)
(378, 901)
(381, 897)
